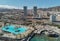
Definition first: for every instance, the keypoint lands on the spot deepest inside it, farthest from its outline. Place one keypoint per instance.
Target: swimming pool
(14, 30)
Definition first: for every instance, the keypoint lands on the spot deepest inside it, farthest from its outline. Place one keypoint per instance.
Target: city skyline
(29, 3)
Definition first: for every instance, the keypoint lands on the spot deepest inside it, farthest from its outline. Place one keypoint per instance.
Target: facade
(35, 11)
(52, 18)
(58, 18)
(39, 15)
(25, 11)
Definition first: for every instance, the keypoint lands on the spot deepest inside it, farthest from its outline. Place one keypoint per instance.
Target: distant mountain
(4, 10)
(57, 8)
(8, 10)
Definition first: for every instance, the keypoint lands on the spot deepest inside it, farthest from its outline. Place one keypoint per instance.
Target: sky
(29, 3)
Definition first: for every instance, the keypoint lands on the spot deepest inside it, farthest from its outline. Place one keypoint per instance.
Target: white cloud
(9, 7)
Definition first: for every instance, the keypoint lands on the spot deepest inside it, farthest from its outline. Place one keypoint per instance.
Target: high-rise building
(25, 11)
(35, 11)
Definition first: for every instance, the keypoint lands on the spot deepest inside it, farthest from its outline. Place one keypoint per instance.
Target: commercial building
(25, 11)
(35, 11)
(58, 17)
(52, 18)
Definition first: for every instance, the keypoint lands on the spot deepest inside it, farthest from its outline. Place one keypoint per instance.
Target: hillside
(57, 8)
